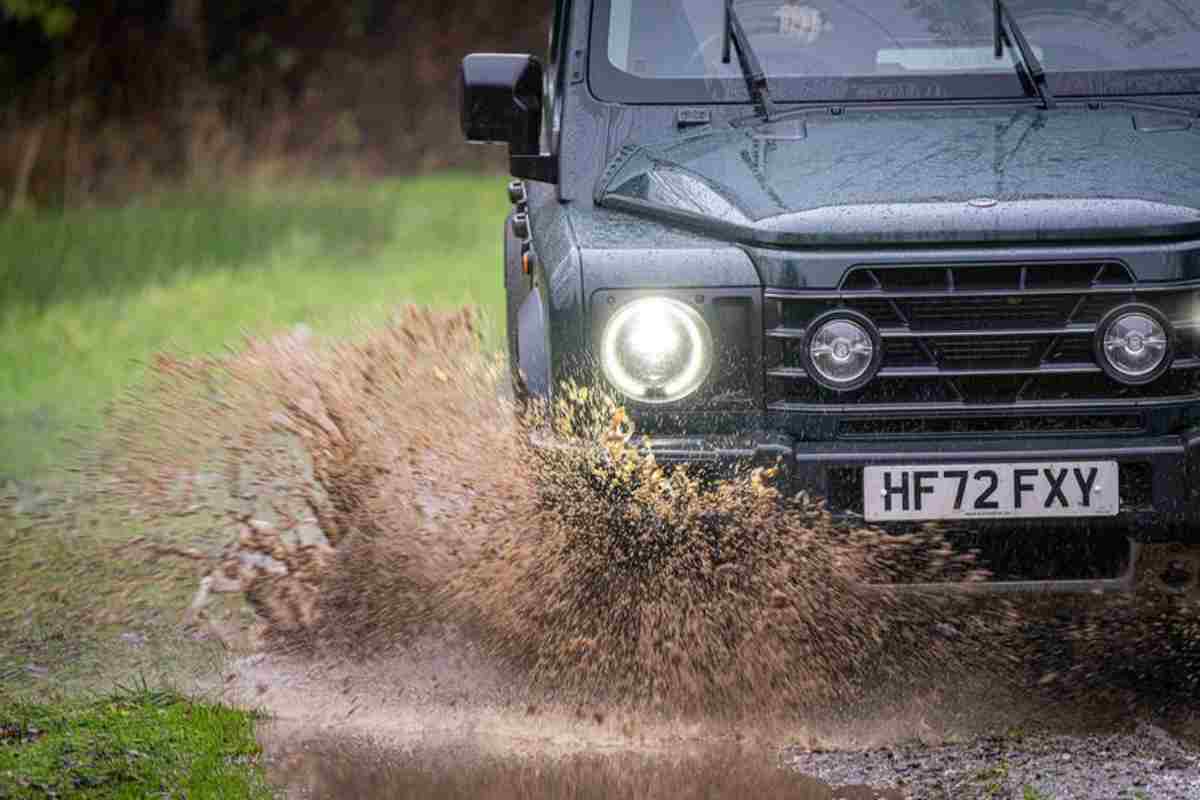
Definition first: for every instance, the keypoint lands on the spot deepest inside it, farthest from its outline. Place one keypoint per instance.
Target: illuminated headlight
(842, 351)
(656, 350)
(1134, 344)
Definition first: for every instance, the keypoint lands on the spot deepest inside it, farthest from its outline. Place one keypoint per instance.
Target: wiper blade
(1006, 23)
(756, 77)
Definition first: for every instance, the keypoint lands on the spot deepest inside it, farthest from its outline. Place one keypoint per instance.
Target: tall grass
(87, 295)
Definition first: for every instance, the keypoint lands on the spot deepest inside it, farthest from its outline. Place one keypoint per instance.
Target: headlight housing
(1133, 344)
(842, 350)
(656, 350)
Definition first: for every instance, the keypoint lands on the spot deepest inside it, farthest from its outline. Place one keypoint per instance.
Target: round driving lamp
(656, 350)
(842, 351)
(1133, 344)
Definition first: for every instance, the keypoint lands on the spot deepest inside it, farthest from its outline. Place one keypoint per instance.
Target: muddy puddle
(446, 769)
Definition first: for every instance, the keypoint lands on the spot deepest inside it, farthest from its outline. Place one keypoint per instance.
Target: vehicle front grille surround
(980, 337)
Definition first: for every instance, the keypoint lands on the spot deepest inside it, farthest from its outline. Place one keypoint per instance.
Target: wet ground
(438, 719)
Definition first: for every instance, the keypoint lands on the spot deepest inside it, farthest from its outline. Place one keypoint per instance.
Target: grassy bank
(86, 295)
(132, 744)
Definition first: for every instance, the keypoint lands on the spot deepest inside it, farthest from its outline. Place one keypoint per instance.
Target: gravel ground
(1144, 763)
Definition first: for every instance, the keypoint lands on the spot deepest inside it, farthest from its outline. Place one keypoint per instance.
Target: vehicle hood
(954, 175)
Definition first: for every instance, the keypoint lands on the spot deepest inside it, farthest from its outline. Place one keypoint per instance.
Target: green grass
(87, 295)
(132, 744)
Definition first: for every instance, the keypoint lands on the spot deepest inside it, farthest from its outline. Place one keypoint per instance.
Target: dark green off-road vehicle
(939, 260)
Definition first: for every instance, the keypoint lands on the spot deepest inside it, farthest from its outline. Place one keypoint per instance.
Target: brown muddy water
(325, 769)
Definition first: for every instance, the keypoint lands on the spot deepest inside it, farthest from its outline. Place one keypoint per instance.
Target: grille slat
(882, 311)
(1071, 348)
(981, 335)
(970, 312)
(1045, 424)
(973, 352)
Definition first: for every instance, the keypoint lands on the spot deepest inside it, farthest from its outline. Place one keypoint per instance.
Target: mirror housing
(501, 102)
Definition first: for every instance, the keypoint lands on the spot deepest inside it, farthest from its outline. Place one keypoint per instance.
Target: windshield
(670, 50)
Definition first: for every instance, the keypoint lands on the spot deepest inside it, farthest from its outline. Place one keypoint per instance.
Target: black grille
(968, 313)
(980, 335)
(1071, 349)
(904, 352)
(964, 352)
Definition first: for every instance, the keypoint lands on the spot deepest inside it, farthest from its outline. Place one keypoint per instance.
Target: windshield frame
(608, 83)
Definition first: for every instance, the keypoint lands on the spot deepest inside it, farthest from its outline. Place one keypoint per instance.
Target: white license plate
(983, 491)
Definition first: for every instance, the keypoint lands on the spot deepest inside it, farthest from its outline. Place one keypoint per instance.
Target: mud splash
(376, 487)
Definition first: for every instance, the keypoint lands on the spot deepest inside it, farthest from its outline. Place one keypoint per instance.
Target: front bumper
(1159, 475)
(1159, 498)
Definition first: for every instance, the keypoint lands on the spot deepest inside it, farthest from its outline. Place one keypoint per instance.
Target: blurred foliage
(101, 100)
(55, 18)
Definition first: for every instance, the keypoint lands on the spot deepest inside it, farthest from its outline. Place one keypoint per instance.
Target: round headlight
(1133, 344)
(656, 350)
(842, 351)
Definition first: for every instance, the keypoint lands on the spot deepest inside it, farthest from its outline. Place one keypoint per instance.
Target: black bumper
(1159, 475)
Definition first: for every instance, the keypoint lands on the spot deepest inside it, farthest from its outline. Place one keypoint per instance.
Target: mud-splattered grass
(92, 597)
(136, 743)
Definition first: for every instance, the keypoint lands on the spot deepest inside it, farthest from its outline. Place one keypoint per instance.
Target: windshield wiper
(1006, 23)
(756, 78)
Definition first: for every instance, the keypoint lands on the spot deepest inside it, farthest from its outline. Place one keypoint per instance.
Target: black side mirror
(501, 98)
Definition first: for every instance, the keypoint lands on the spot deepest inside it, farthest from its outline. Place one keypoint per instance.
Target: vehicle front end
(923, 283)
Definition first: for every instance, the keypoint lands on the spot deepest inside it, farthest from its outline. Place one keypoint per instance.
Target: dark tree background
(105, 98)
